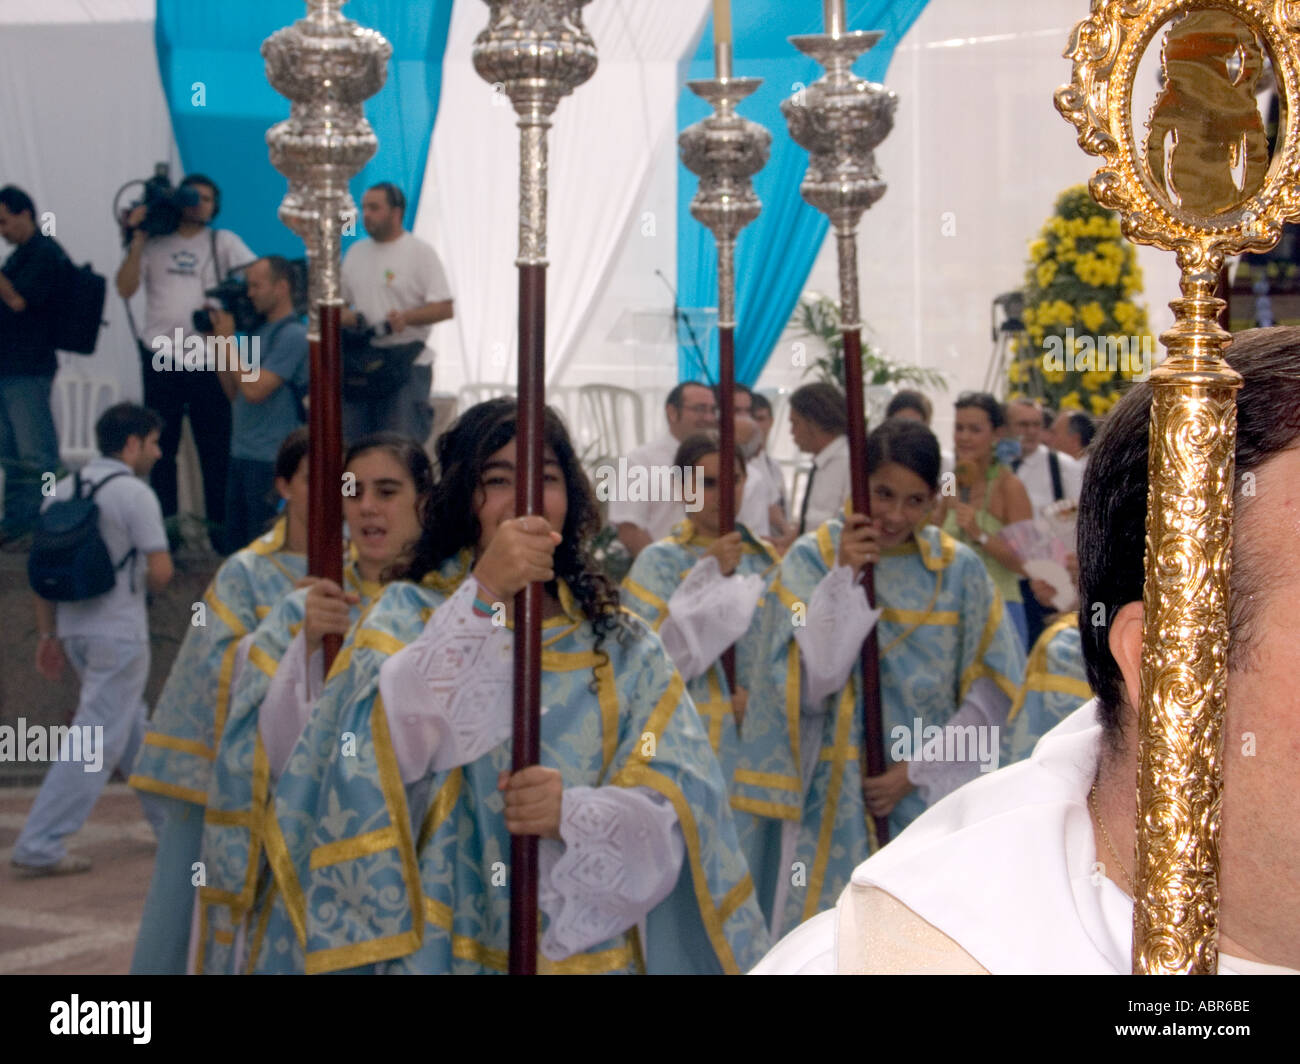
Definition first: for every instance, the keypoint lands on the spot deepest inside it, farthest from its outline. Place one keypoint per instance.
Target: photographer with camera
(266, 403)
(396, 291)
(178, 256)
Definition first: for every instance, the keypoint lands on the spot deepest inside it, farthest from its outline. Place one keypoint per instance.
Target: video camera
(232, 294)
(164, 203)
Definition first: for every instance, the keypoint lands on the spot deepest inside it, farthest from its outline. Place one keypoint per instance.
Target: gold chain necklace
(1105, 836)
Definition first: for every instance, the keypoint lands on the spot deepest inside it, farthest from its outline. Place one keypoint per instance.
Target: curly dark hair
(450, 524)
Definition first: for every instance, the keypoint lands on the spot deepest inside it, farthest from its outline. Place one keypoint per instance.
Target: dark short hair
(981, 401)
(676, 396)
(822, 404)
(293, 449)
(392, 194)
(281, 270)
(119, 423)
(761, 402)
(909, 444)
(1082, 426)
(1049, 415)
(699, 444)
(201, 179)
(1113, 505)
(16, 201)
(908, 399)
(737, 388)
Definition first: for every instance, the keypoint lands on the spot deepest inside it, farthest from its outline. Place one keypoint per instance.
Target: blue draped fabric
(221, 105)
(774, 254)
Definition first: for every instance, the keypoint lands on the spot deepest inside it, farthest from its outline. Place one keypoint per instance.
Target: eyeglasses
(702, 408)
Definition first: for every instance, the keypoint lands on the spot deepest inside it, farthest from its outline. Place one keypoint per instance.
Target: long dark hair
(411, 457)
(450, 524)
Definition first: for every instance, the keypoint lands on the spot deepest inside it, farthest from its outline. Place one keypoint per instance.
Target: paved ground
(83, 924)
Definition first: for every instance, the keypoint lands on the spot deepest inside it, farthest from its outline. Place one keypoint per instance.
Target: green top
(1008, 583)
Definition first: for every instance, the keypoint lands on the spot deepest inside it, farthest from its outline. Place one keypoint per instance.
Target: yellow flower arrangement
(1081, 281)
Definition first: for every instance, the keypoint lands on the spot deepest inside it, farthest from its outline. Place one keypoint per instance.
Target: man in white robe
(1030, 869)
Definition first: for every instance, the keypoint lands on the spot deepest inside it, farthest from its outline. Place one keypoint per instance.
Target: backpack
(79, 311)
(69, 561)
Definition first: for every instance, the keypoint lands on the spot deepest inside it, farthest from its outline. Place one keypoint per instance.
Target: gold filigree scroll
(1218, 151)
(1197, 181)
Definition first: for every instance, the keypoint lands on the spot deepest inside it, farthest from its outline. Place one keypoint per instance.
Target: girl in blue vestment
(391, 839)
(176, 758)
(949, 656)
(387, 480)
(682, 587)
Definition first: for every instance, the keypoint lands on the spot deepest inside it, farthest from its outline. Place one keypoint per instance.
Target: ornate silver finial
(327, 66)
(726, 151)
(841, 119)
(536, 52)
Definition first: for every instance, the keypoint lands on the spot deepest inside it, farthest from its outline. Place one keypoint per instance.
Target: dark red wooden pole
(873, 729)
(325, 468)
(527, 749)
(727, 461)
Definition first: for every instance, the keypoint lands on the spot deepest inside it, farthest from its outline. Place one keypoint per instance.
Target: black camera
(359, 335)
(164, 203)
(232, 294)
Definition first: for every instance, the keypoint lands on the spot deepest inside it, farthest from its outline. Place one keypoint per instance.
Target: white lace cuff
(447, 694)
(839, 619)
(706, 614)
(287, 705)
(981, 718)
(621, 856)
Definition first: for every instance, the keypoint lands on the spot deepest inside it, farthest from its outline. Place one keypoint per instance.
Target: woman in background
(989, 496)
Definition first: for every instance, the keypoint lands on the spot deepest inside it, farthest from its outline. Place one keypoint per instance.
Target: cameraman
(267, 402)
(29, 283)
(176, 268)
(396, 281)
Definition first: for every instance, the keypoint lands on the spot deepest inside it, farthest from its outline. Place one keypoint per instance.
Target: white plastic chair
(613, 417)
(76, 403)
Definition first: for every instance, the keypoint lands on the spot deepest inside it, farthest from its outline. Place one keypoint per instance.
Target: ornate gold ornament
(1196, 179)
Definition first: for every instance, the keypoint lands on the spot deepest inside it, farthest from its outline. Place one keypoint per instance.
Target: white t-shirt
(129, 516)
(760, 495)
(829, 484)
(656, 517)
(1035, 475)
(399, 274)
(175, 271)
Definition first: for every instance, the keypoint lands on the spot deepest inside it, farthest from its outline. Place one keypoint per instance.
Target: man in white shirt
(106, 640)
(396, 282)
(762, 415)
(689, 408)
(1048, 477)
(1030, 869)
(818, 422)
(176, 270)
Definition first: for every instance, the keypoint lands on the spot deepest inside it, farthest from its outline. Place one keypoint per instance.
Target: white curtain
(71, 145)
(602, 147)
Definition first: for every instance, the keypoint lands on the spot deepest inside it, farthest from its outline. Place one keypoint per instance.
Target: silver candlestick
(840, 119)
(538, 51)
(327, 66)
